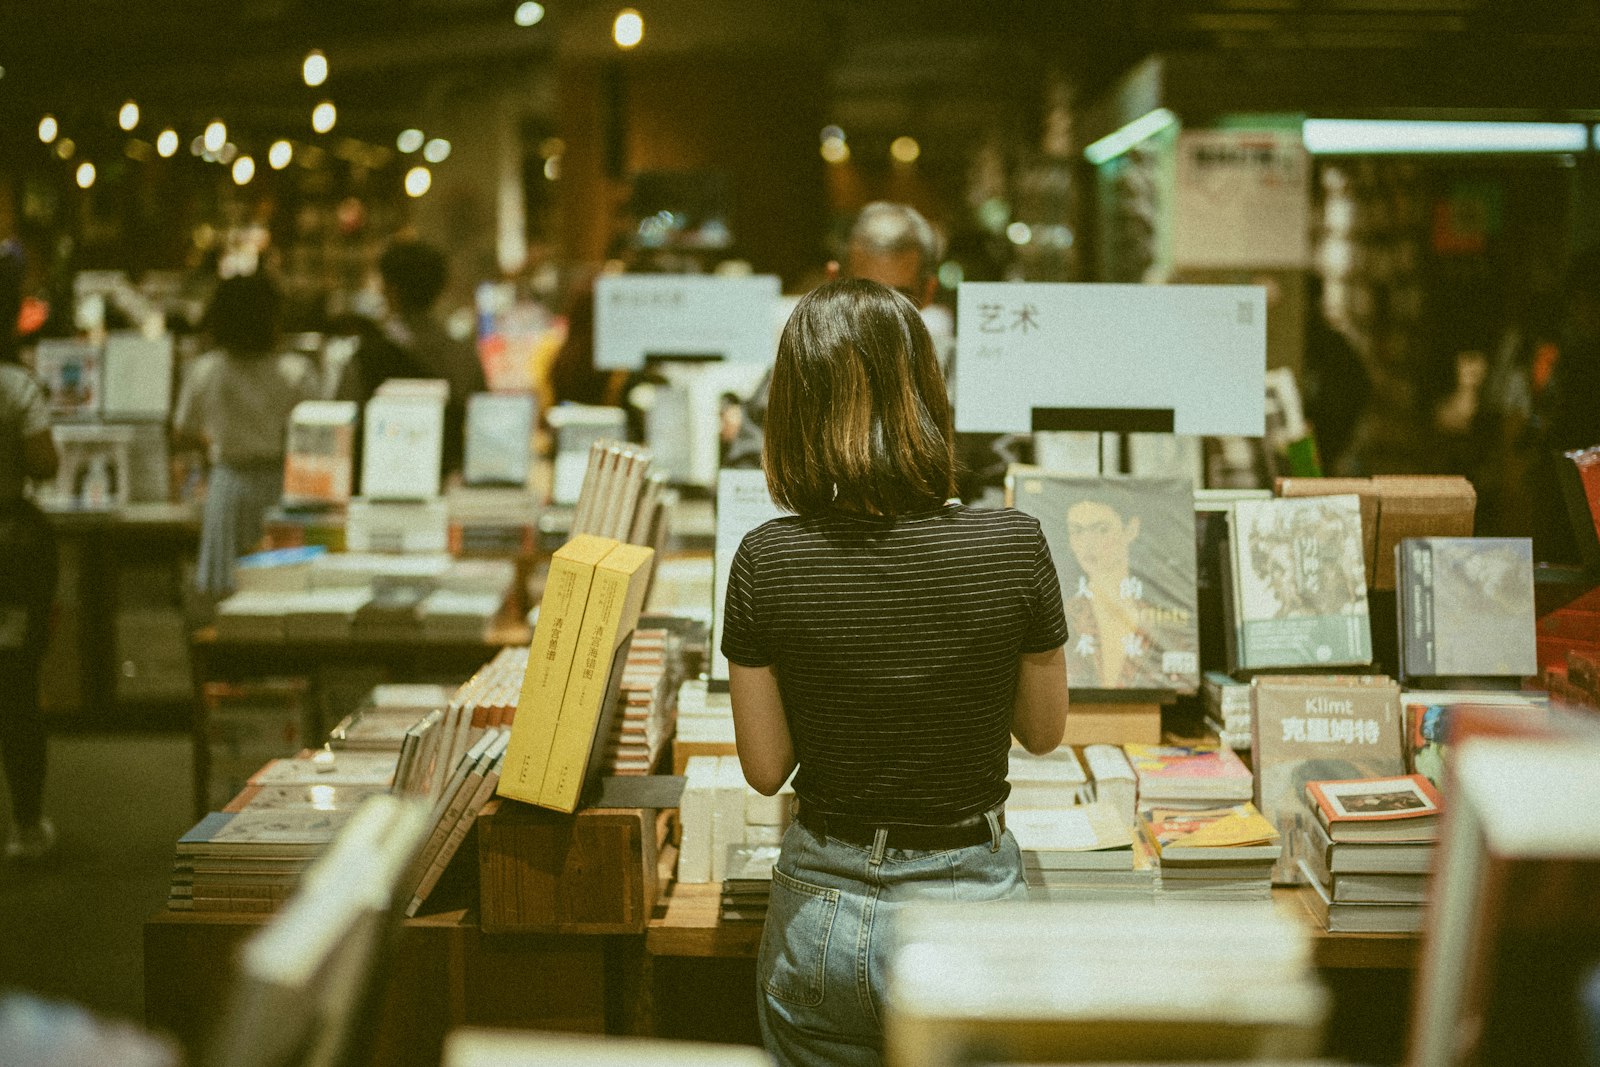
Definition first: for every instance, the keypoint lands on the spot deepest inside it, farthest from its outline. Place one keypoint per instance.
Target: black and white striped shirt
(895, 645)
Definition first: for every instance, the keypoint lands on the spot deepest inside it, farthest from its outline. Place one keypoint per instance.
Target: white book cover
(138, 376)
(499, 438)
(403, 442)
(320, 455)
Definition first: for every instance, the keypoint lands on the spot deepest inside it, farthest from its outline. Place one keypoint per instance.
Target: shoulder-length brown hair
(858, 419)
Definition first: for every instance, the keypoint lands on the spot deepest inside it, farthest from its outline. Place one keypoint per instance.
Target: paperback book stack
(1053, 781)
(1085, 981)
(1084, 852)
(1368, 852)
(1224, 853)
(385, 717)
(487, 521)
(1114, 782)
(747, 883)
(567, 704)
(1227, 703)
(647, 704)
(249, 856)
(721, 814)
(705, 724)
(1189, 776)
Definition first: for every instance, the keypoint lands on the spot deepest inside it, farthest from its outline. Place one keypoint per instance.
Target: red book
(1403, 808)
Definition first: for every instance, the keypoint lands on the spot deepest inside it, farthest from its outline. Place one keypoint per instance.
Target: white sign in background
(1200, 350)
(641, 315)
(1243, 200)
(743, 503)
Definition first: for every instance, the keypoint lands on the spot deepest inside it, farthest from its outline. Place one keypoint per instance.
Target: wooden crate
(546, 872)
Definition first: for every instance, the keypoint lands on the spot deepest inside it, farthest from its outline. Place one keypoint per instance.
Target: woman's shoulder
(998, 521)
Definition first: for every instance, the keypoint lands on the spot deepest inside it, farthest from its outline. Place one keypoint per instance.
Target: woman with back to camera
(888, 643)
(237, 399)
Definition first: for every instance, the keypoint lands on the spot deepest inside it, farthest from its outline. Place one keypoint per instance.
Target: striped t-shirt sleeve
(744, 640)
(1047, 630)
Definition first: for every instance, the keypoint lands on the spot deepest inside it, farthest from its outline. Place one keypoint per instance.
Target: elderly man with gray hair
(891, 244)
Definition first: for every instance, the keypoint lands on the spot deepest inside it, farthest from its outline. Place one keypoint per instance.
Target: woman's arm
(1039, 716)
(761, 730)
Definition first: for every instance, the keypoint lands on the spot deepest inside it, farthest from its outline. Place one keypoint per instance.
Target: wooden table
(444, 973)
(95, 547)
(413, 658)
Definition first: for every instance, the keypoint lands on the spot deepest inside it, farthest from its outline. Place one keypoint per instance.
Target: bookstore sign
(1038, 356)
(643, 317)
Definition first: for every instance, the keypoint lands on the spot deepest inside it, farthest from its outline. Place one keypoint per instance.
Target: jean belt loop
(880, 842)
(994, 830)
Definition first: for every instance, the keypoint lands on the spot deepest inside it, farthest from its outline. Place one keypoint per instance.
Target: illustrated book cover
(1299, 583)
(1124, 550)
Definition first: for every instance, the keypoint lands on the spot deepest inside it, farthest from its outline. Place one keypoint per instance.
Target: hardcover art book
(499, 438)
(1124, 550)
(1299, 583)
(1466, 607)
(1428, 718)
(1311, 728)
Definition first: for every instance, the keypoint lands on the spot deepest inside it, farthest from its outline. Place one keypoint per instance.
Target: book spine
(1420, 657)
(452, 843)
(611, 614)
(544, 684)
(587, 495)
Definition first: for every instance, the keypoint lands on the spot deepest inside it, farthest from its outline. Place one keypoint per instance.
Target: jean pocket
(800, 919)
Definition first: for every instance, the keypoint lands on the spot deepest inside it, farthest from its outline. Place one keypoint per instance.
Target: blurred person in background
(236, 399)
(1567, 409)
(27, 576)
(412, 341)
(891, 244)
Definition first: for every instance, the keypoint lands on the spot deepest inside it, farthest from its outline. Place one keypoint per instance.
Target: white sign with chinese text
(743, 503)
(637, 316)
(1199, 350)
(1243, 200)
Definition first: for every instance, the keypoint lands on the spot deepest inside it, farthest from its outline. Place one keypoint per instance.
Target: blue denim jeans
(820, 974)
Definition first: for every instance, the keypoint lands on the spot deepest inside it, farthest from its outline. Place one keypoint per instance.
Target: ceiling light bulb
(529, 13)
(85, 175)
(436, 150)
(628, 29)
(323, 116)
(244, 168)
(216, 136)
(280, 155)
(167, 144)
(418, 181)
(128, 117)
(315, 68)
(409, 141)
(49, 128)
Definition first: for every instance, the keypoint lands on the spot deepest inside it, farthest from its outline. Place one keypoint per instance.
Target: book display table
(370, 660)
(106, 665)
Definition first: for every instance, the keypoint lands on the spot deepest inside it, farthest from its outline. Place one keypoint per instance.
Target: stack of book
(721, 815)
(1367, 854)
(1088, 981)
(705, 724)
(1189, 776)
(1114, 781)
(568, 699)
(1222, 853)
(1227, 703)
(382, 721)
(319, 460)
(747, 883)
(249, 856)
(647, 704)
(491, 522)
(1052, 781)
(1080, 853)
